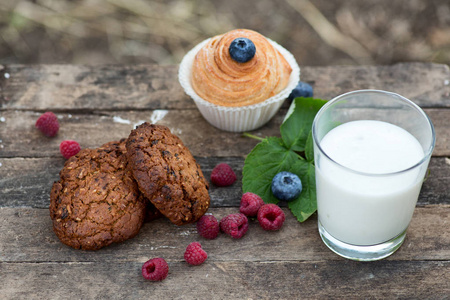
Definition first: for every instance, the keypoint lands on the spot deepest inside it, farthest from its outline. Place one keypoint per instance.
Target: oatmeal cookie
(96, 202)
(167, 173)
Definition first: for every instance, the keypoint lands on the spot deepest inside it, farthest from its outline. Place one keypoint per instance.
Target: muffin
(234, 94)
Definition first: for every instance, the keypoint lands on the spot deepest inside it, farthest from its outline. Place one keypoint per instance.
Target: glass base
(361, 253)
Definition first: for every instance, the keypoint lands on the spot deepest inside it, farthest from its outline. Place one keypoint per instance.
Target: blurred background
(317, 32)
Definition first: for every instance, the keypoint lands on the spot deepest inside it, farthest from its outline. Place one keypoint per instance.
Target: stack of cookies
(104, 195)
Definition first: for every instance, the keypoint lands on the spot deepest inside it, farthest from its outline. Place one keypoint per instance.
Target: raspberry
(194, 254)
(48, 124)
(155, 269)
(69, 148)
(208, 227)
(235, 225)
(250, 204)
(271, 217)
(223, 175)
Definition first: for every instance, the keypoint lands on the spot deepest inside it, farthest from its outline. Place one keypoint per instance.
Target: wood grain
(98, 104)
(26, 182)
(289, 263)
(19, 138)
(27, 235)
(118, 87)
(228, 280)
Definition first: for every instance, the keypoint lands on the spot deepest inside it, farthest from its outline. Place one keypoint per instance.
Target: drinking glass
(364, 215)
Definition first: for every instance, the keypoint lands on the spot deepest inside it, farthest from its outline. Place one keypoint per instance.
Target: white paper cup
(244, 118)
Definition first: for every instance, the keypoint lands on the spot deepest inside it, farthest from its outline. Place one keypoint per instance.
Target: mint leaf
(298, 123)
(267, 159)
(306, 204)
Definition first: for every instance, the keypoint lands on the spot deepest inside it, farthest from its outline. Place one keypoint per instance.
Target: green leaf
(273, 155)
(267, 159)
(309, 148)
(298, 123)
(306, 204)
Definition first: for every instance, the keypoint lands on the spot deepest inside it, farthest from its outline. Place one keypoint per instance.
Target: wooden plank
(441, 122)
(436, 188)
(93, 130)
(28, 181)
(19, 138)
(76, 87)
(228, 280)
(291, 263)
(118, 87)
(27, 236)
(424, 83)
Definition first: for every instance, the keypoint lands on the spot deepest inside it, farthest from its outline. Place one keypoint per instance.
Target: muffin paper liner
(243, 118)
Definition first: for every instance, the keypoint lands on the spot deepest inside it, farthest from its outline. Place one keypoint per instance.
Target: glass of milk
(371, 151)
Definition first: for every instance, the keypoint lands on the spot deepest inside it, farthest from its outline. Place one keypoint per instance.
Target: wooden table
(98, 104)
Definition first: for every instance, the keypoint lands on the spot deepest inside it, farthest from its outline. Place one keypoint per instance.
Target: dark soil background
(317, 32)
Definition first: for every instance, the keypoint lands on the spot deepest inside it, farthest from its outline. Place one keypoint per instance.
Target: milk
(362, 200)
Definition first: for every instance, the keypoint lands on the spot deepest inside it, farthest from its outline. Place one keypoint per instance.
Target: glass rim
(426, 155)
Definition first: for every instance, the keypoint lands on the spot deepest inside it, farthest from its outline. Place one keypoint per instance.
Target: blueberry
(286, 186)
(301, 90)
(242, 50)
